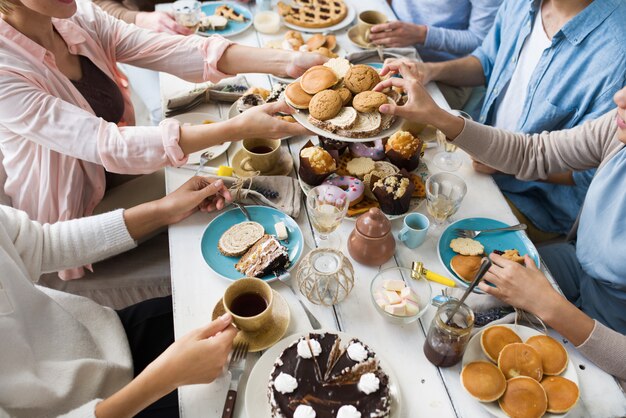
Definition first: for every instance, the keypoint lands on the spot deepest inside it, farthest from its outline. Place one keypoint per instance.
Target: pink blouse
(55, 149)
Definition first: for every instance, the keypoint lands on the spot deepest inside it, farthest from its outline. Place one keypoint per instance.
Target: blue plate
(496, 241)
(232, 28)
(267, 217)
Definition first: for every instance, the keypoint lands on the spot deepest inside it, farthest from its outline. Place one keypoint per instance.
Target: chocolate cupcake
(403, 150)
(393, 193)
(315, 164)
(334, 147)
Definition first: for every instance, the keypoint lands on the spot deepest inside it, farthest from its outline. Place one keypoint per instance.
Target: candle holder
(325, 276)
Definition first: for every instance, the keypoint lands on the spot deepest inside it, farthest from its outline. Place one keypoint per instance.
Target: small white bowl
(421, 287)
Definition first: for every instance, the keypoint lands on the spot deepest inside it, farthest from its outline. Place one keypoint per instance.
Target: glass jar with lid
(447, 339)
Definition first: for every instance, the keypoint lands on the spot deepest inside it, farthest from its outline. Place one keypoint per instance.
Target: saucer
(283, 167)
(357, 39)
(271, 333)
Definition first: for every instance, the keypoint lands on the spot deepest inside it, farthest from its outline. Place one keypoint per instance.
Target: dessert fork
(470, 233)
(236, 368)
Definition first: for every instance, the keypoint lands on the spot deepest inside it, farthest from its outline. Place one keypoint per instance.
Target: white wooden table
(427, 391)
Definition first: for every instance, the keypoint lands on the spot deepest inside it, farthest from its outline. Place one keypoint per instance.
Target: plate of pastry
(354, 379)
(461, 256)
(197, 118)
(388, 174)
(316, 16)
(336, 100)
(225, 18)
(266, 247)
(514, 370)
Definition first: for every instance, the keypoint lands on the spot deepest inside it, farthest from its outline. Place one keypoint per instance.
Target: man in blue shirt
(440, 30)
(547, 66)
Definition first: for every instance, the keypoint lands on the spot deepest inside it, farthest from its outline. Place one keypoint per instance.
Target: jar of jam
(446, 340)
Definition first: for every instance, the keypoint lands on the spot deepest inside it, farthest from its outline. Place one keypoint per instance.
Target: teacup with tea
(261, 154)
(250, 302)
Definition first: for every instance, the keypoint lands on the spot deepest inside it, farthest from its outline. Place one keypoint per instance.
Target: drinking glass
(187, 13)
(444, 194)
(447, 159)
(327, 207)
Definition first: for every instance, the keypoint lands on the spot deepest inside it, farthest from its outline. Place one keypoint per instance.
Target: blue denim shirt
(455, 27)
(574, 81)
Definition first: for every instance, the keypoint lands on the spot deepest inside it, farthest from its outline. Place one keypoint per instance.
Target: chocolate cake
(316, 372)
(265, 257)
(393, 193)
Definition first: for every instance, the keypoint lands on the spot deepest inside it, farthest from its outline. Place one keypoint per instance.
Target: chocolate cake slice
(317, 372)
(265, 257)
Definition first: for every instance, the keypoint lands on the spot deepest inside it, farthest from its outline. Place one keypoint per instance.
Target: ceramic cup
(249, 301)
(414, 231)
(367, 19)
(260, 154)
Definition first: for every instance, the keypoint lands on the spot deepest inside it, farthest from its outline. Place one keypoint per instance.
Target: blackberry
(485, 317)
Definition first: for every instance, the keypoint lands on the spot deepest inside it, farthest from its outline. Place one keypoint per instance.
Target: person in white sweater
(65, 355)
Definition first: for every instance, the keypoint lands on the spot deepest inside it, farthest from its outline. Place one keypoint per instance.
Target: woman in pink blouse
(65, 113)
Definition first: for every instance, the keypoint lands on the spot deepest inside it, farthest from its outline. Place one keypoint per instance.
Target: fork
(470, 233)
(243, 210)
(236, 367)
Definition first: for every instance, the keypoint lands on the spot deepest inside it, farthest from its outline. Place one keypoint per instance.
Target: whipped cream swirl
(304, 411)
(348, 411)
(368, 383)
(305, 351)
(285, 383)
(357, 352)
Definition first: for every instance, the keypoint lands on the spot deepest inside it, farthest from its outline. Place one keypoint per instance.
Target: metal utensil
(205, 157)
(470, 233)
(243, 210)
(236, 367)
(315, 324)
(484, 266)
(381, 52)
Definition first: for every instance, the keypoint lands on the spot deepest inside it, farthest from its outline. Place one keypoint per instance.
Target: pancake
(465, 266)
(483, 380)
(519, 359)
(553, 354)
(296, 97)
(318, 78)
(495, 338)
(562, 394)
(524, 398)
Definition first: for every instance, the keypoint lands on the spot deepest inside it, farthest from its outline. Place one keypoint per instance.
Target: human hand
(197, 193)
(522, 287)
(408, 69)
(299, 62)
(197, 357)
(419, 105)
(483, 168)
(161, 22)
(398, 34)
(259, 122)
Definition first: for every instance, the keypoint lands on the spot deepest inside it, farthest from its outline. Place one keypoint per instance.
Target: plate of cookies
(267, 246)
(462, 256)
(388, 174)
(517, 371)
(316, 16)
(336, 100)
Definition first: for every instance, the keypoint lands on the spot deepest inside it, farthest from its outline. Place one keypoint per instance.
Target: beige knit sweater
(531, 157)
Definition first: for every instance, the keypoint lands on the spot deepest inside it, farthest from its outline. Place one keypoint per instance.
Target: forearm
(454, 41)
(462, 72)
(243, 59)
(198, 137)
(144, 219)
(141, 392)
(566, 319)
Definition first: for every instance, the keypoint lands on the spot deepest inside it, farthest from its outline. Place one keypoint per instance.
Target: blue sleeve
(583, 178)
(463, 42)
(487, 51)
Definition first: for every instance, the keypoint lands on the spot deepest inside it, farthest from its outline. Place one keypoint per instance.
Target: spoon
(205, 157)
(484, 266)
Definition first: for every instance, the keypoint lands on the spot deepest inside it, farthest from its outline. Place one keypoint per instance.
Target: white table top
(427, 391)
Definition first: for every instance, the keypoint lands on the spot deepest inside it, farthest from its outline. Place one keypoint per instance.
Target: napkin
(371, 55)
(289, 200)
(205, 93)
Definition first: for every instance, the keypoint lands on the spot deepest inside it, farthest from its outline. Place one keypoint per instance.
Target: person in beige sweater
(591, 270)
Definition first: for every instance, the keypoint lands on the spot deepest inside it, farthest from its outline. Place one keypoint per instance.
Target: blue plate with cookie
(257, 247)
(501, 241)
(238, 18)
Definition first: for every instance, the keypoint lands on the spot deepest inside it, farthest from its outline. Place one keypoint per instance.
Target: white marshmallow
(397, 309)
(396, 285)
(391, 296)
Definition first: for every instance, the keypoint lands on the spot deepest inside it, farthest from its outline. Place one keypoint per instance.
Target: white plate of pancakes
(558, 373)
(256, 398)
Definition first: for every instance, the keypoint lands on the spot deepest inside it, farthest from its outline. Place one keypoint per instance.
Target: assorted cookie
(524, 377)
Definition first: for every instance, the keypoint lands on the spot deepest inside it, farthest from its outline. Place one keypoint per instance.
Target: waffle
(362, 207)
(313, 13)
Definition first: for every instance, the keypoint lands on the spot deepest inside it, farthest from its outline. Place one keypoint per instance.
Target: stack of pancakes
(523, 377)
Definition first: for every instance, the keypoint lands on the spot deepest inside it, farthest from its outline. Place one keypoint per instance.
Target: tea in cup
(367, 20)
(414, 230)
(260, 154)
(249, 301)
